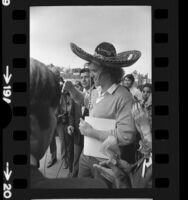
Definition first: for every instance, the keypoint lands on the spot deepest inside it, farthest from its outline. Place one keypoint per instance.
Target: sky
(52, 29)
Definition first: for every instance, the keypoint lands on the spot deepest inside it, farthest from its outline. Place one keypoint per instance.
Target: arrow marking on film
(7, 173)
(7, 76)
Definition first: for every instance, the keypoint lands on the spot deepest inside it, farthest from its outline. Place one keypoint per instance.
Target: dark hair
(147, 85)
(130, 76)
(56, 71)
(84, 70)
(116, 74)
(44, 92)
(61, 79)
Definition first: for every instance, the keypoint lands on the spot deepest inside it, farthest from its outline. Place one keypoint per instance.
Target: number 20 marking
(7, 193)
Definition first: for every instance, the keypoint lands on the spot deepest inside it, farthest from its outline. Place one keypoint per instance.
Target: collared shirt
(110, 90)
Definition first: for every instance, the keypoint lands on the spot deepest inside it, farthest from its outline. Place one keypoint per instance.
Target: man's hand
(114, 174)
(110, 148)
(106, 172)
(67, 86)
(76, 95)
(85, 128)
(70, 130)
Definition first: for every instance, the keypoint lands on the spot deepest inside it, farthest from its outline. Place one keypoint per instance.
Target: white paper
(92, 146)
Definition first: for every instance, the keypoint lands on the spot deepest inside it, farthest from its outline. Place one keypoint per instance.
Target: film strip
(15, 94)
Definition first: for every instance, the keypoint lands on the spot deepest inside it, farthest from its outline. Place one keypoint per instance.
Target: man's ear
(34, 136)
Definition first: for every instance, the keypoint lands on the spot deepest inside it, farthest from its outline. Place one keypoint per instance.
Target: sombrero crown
(105, 54)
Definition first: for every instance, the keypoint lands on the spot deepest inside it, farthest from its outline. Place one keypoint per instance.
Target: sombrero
(105, 54)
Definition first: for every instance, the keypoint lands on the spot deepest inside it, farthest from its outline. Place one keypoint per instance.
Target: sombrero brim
(124, 59)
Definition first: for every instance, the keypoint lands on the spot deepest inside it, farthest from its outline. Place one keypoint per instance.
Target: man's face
(85, 80)
(127, 82)
(96, 71)
(146, 93)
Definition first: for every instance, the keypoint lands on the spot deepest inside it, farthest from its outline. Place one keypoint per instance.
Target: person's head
(102, 73)
(85, 78)
(57, 73)
(146, 91)
(44, 98)
(78, 85)
(128, 80)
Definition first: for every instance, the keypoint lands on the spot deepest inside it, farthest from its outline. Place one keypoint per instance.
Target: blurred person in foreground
(129, 82)
(45, 94)
(109, 100)
(53, 145)
(123, 174)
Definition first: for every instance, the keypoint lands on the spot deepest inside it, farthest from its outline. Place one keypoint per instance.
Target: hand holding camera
(67, 86)
(63, 118)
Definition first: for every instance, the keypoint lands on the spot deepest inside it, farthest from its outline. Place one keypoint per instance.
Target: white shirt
(107, 92)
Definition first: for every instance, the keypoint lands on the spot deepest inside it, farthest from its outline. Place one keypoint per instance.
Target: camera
(64, 119)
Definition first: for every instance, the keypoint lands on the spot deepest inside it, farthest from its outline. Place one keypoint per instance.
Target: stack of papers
(92, 146)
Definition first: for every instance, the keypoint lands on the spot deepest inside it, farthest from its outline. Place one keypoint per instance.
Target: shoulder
(123, 97)
(123, 89)
(122, 93)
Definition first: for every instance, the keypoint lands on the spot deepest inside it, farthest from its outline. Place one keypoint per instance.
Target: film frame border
(164, 56)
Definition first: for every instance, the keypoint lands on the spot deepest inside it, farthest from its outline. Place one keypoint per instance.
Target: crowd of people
(59, 107)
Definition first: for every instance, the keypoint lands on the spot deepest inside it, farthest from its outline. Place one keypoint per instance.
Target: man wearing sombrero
(110, 100)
